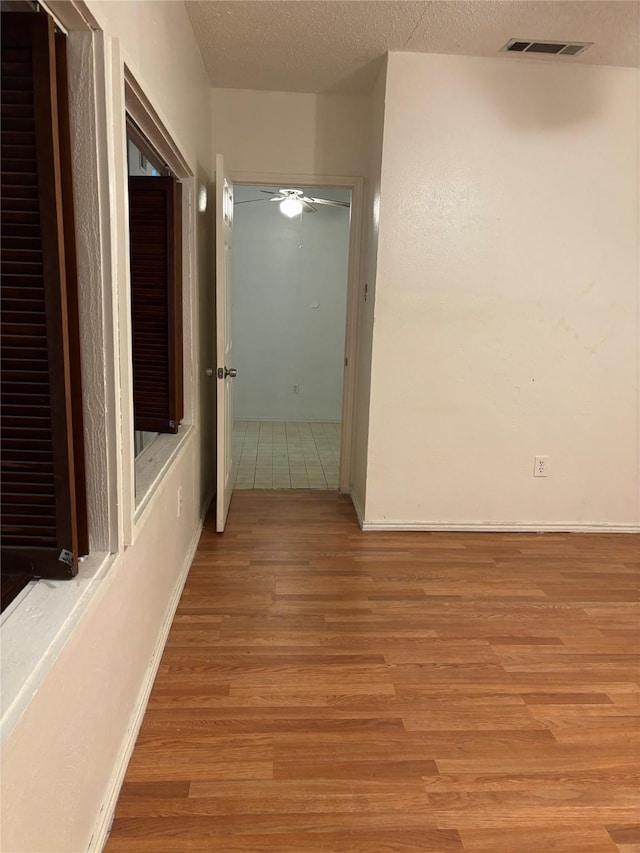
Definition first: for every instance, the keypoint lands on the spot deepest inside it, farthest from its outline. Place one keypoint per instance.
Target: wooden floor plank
(533, 838)
(324, 689)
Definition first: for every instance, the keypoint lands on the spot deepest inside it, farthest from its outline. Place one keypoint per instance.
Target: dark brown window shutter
(71, 269)
(155, 229)
(42, 472)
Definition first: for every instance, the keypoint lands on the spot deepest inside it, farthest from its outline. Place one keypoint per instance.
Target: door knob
(209, 371)
(223, 372)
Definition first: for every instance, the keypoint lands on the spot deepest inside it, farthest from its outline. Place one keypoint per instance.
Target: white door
(224, 345)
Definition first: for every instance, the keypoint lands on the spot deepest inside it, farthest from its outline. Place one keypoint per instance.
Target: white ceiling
(334, 45)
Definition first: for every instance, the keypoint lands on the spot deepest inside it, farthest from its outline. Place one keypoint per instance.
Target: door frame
(356, 185)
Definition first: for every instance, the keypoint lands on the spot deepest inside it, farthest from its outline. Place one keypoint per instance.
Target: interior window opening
(155, 238)
(138, 164)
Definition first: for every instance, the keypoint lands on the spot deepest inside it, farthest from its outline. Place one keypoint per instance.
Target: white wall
(367, 300)
(159, 47)
(58, 761)
(289, 308)
(296, 134)
(507, 295)
(291, 132)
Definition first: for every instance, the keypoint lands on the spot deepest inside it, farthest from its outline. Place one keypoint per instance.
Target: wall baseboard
(289, 420)
(495, 526)
(359, 511)
(105, 816)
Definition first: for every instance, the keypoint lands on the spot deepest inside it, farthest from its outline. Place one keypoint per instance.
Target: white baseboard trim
(289, 420)
(106, 814)
(495, 526)
(358, 508)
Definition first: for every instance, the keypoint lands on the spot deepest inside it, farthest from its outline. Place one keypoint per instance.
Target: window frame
(145, 474)
(155, 209)
(35, 628)
(51, 287)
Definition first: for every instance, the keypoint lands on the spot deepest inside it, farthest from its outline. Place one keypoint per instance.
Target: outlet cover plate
(541, 466)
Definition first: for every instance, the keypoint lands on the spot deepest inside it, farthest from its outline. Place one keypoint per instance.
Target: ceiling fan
(292, 202)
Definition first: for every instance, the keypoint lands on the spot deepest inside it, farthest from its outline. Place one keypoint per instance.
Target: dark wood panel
(26, 402)
(79, 487)
(10, 587)
(156, 302)
(39, 366)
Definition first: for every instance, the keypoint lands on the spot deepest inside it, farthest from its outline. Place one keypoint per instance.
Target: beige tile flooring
(279, 455)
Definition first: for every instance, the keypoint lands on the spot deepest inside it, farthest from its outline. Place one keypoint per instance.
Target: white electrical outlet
(296, 389)
(179, 502)
(541, 466)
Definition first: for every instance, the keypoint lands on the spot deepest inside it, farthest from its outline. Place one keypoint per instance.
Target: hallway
(328, 690)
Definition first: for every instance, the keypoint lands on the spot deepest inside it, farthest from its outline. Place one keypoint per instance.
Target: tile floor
(278, 455)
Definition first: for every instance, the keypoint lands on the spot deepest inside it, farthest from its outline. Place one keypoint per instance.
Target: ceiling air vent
(555, 48)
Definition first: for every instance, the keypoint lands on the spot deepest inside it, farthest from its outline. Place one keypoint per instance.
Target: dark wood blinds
(155, 240)
(71, 276)
(42, 470)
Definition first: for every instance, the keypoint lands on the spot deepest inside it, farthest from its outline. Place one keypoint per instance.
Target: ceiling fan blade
(308, 208)
(270, 192)
(329, 201)
(276, 198)
(249, 200)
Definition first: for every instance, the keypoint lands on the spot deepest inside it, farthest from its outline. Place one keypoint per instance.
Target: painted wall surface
(58, 762)
(291, 133)
(289, 308)
(318, 135)
(367, 299)
(159, 47)
(507, 295)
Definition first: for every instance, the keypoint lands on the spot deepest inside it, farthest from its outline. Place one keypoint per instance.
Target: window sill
(37, 624)
(34, 630)
(153, 463)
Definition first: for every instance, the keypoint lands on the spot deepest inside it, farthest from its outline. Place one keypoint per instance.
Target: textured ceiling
(334, 45)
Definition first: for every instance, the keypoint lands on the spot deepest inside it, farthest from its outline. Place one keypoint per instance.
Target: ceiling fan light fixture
(291, 207)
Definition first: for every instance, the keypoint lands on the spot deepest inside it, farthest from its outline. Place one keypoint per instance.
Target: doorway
(289, 291)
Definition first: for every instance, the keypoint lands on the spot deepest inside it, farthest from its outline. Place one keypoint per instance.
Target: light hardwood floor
(324, 689)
